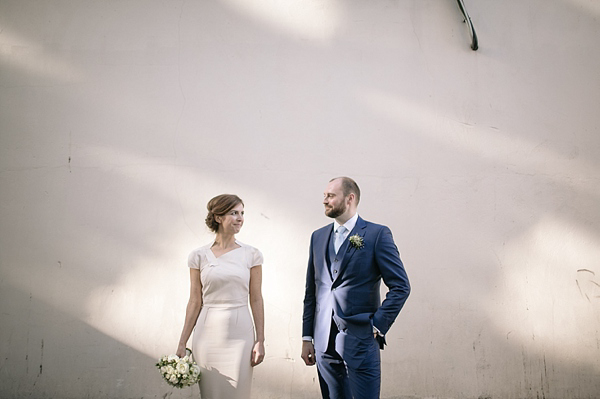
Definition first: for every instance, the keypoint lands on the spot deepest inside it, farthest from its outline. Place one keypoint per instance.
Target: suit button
(335, 271)
(334, 289)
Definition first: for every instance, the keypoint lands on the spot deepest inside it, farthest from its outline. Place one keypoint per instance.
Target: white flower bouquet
(179, 372)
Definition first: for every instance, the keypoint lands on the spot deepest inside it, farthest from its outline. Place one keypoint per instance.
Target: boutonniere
(357, 241)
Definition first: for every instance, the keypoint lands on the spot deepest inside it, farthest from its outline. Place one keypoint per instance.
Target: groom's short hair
(349, 186)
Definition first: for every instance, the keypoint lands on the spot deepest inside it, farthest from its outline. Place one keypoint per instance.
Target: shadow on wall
(501, 309)
(49, 354)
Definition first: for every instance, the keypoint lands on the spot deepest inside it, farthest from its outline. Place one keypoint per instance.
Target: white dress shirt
(349, 225)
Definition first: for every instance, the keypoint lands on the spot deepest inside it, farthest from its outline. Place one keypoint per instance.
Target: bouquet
(179, 372)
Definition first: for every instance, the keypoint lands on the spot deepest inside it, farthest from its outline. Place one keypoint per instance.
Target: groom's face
(334, 200)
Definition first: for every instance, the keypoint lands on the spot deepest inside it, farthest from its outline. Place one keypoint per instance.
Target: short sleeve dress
(224, 333)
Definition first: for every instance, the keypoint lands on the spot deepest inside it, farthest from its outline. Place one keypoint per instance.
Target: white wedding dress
(224, 333)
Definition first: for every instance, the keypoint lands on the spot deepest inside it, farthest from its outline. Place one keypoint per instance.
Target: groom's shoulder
(374, 226)
(323, 229)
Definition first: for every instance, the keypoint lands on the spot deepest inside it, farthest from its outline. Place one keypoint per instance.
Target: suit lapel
(360, 229)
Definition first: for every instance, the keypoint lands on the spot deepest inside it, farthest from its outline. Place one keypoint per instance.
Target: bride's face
(232, 221)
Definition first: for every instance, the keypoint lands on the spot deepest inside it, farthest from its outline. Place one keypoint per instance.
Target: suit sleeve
(395, 278)
(308, 317)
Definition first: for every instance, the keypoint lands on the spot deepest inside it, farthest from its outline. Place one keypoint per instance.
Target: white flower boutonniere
(357, 241)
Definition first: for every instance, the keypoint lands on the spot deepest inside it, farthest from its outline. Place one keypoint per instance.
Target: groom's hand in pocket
(308, 353)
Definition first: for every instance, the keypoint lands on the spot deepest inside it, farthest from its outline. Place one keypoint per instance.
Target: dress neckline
(225, 253)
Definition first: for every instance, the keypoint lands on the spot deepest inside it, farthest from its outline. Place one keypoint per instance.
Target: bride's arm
(258, 313)
(192, 311)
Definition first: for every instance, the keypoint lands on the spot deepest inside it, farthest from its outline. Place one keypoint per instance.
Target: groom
(344, 321)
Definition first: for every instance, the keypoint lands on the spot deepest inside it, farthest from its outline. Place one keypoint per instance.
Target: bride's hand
(181, 351)
(258, 353)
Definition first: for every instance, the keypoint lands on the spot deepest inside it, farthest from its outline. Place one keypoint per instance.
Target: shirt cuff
(376, 331)
(307, 338)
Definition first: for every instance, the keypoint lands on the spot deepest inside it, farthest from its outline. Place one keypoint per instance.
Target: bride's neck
(224, 241)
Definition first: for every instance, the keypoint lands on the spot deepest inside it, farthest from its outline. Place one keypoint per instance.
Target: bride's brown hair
(219, 206)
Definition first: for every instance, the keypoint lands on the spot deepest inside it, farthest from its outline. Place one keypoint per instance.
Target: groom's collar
(349, 224)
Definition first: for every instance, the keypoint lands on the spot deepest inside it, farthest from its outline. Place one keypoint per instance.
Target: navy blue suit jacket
(352, 296)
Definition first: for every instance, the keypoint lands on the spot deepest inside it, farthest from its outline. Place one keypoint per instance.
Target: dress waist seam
(223, 306)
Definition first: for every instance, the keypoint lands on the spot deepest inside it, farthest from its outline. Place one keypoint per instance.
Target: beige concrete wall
(120, 119)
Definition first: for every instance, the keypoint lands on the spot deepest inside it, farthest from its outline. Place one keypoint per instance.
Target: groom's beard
(335, 211)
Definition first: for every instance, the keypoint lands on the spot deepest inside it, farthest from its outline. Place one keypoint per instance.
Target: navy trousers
(350, 368)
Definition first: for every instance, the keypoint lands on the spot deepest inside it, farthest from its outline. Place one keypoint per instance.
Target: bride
(225, 276)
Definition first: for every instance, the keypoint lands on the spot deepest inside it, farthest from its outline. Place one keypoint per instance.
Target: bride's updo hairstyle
(220, 206)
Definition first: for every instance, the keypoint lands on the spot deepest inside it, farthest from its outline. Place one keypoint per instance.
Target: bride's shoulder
(198, 256)
(201, 250)
(247, 247)
(253, 254)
